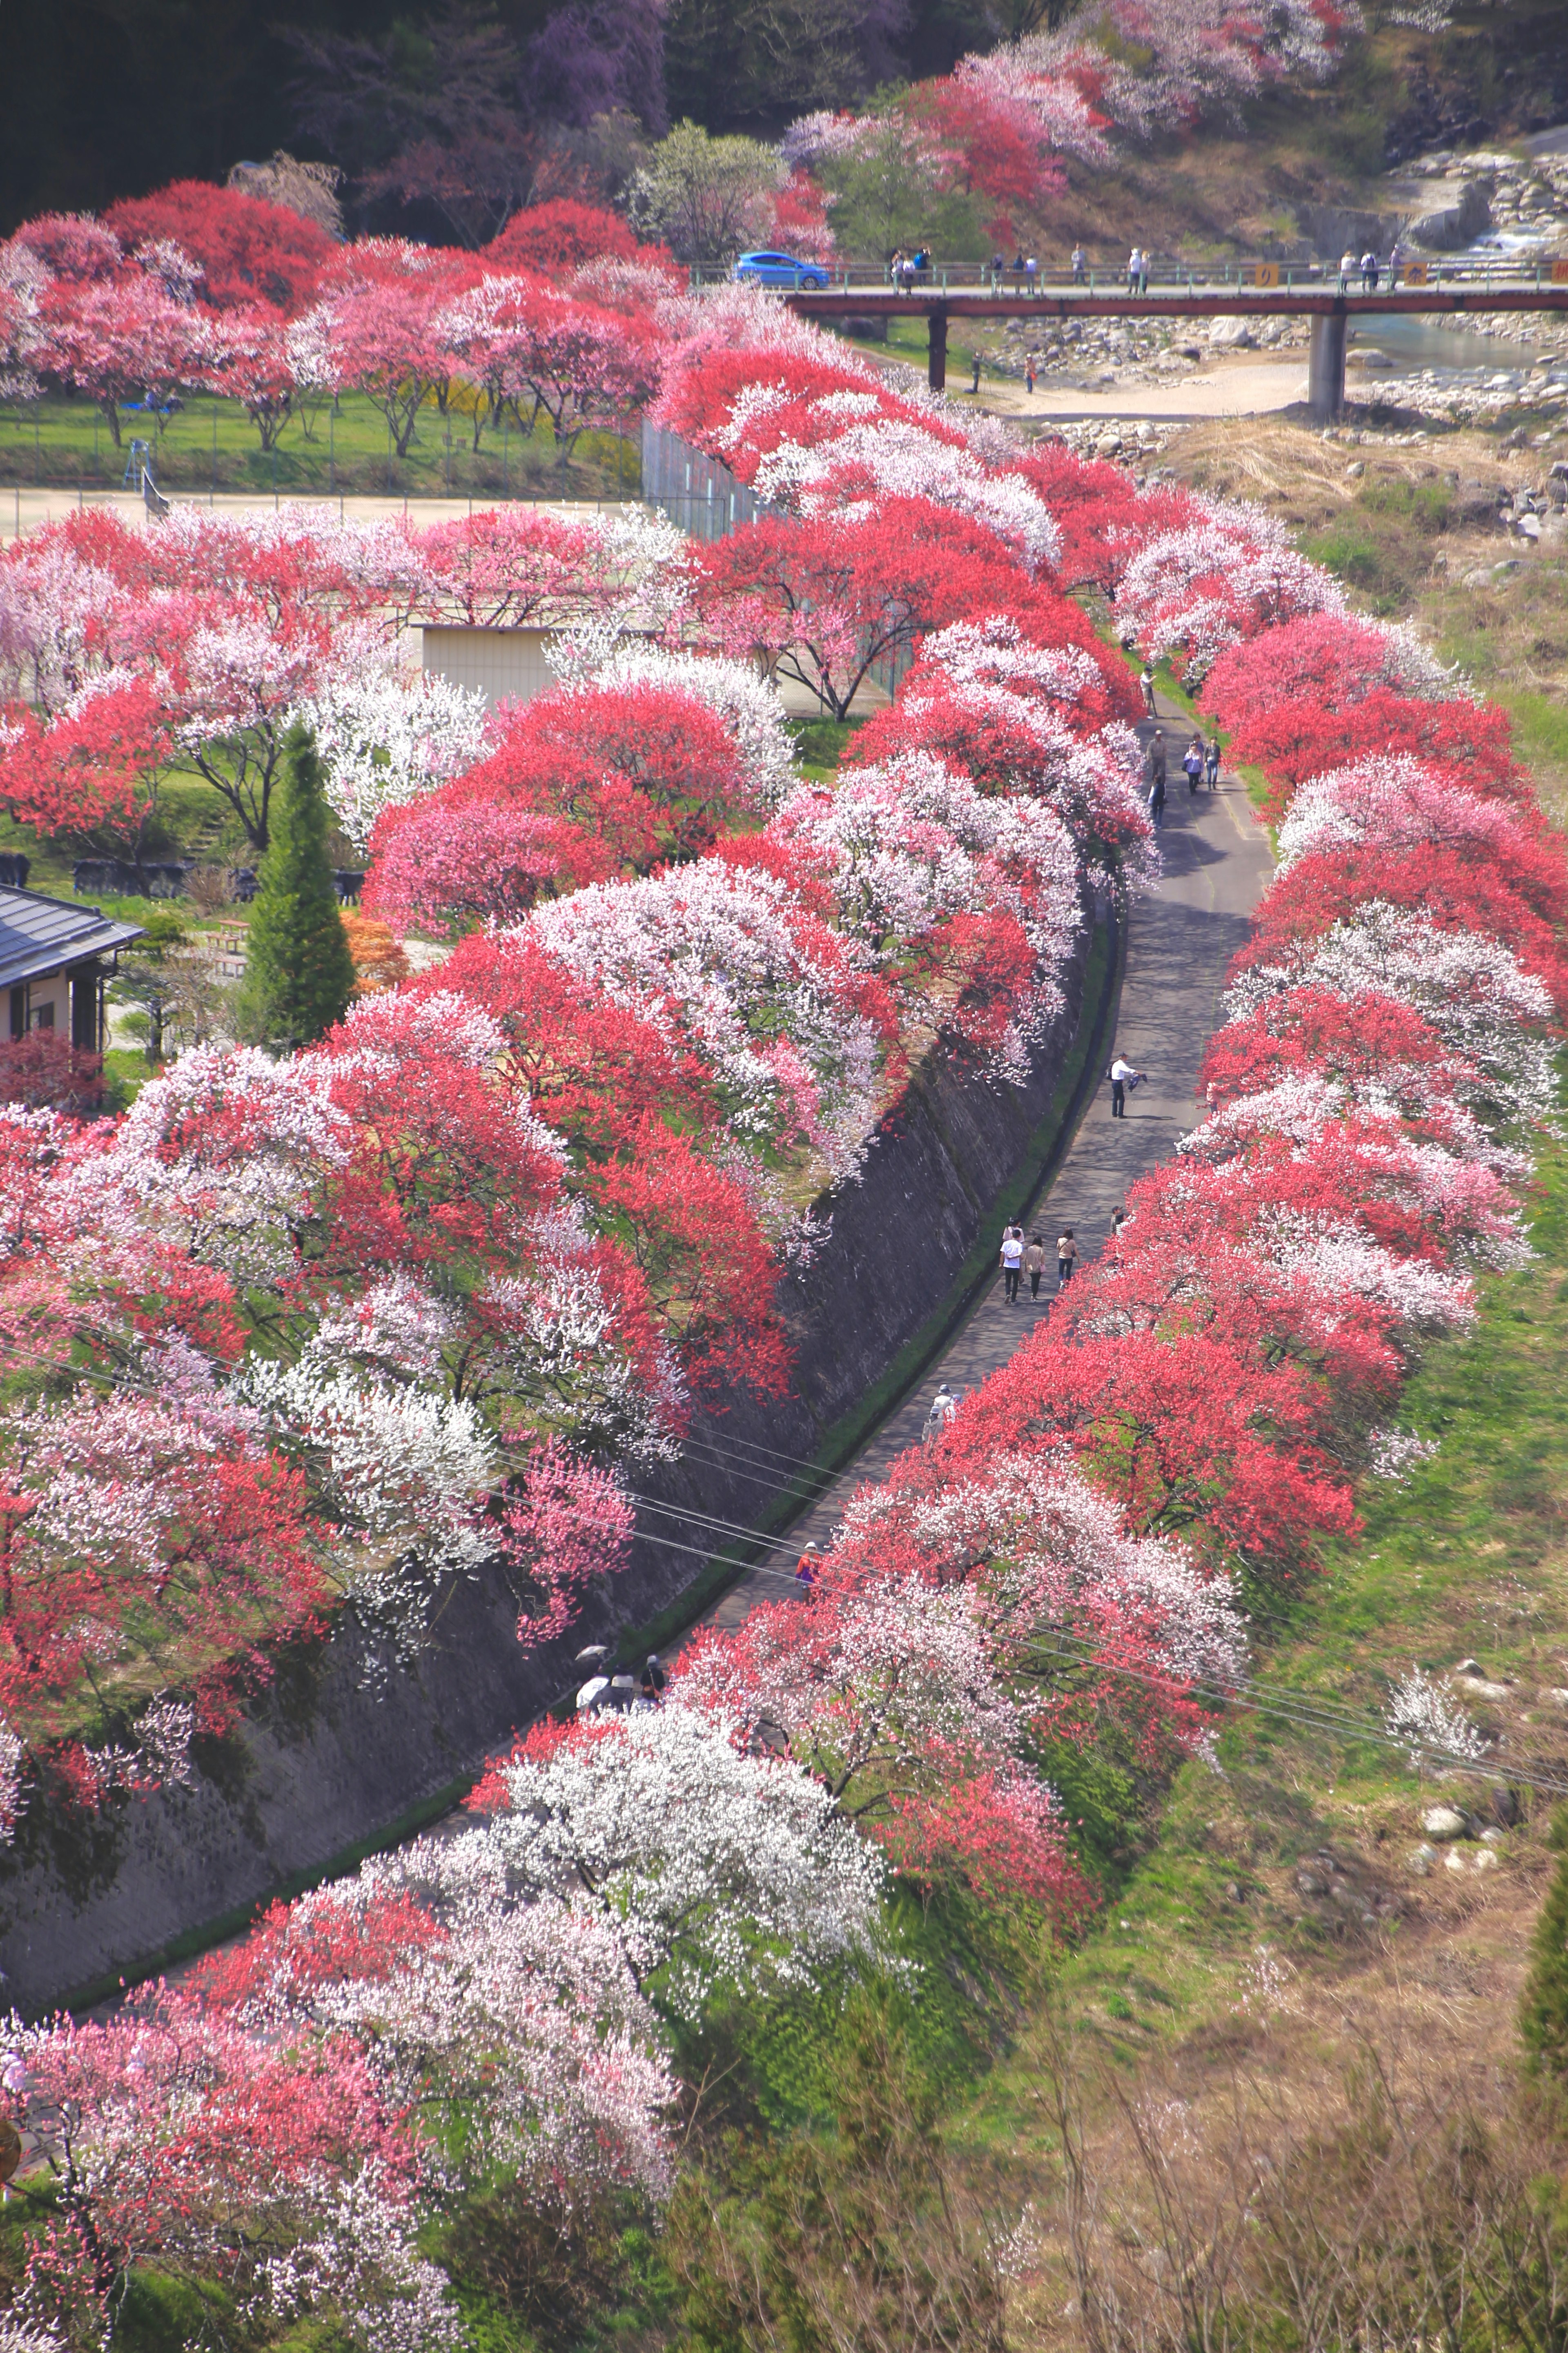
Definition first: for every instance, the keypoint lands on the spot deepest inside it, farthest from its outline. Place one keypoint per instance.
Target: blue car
(777, 269)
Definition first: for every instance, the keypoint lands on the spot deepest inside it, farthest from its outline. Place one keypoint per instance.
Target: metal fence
(708, 502)
(694, 490)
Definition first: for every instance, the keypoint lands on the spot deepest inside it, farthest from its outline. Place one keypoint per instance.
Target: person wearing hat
(653, 1680)
(944, 1405)
(809, 1566)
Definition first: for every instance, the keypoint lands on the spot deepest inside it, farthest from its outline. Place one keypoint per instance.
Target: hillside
(1284, 177)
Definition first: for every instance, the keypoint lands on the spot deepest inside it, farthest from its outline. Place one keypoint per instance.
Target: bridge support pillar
(936, 360)
(1326, 367)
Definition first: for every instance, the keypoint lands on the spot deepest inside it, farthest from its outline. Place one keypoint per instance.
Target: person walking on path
(1029, 376)
(1193, 764)
(1122, 1076)
(1011, 1260)
(592, 1693)
(1066, 1254)
(1146, 684)
(1211, 764)
(944, 1405)
(1034, 1263)
(1157, 777)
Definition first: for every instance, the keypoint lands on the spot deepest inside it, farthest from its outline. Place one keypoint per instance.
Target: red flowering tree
(1186, 1432)
(824, 601)
(581, 786)
(554, 238)
(250, 251)
(121, 339)
(93, 770)
(1293, 741)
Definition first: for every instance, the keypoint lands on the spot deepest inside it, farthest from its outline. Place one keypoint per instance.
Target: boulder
(1230, 335)
(1443, 1822)
(1420, 1860)
(1456, 222)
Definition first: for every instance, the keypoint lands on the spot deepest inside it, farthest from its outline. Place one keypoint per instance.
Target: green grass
(211, 444)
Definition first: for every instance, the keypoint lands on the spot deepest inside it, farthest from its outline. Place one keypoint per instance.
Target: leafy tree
(887, 194)
(147, 981)
(299, 974)
(707, 197)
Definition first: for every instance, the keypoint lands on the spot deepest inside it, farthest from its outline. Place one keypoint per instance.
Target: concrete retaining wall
(341, 1747)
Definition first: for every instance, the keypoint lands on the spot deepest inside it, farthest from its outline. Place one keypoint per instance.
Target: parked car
(778, 270)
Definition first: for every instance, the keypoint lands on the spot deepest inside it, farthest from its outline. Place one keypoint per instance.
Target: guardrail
(1181, 278)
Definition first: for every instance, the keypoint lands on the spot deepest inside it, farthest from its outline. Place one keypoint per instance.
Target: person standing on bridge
(1134, 264)
(1369, 270)
(1080, 263)
(1143, 271)
(1347, 271)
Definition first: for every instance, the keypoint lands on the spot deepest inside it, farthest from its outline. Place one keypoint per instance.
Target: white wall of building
(505, 665)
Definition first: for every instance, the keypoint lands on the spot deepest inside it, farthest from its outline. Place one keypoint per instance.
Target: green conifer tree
(1543, 2012)
(298, 973)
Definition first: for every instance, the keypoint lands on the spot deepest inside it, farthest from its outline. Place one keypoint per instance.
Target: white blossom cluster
(716, 1865)
(1422, 1714)
(385, 735)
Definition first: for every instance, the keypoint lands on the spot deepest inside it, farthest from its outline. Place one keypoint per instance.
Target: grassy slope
(211, 444)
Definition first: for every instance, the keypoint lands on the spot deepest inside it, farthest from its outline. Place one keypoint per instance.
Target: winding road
(1181, 937)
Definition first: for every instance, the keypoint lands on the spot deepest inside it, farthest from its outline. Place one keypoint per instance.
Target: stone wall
(345, 1744)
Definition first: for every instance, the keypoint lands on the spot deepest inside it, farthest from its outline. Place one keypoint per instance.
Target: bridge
(1329, 310)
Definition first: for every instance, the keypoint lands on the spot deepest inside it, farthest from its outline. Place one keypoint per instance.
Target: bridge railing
(1470, 271)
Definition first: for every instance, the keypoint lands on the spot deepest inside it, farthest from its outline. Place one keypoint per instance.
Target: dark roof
(38, 935)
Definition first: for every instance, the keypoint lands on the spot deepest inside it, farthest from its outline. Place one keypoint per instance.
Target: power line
(1245, 1693)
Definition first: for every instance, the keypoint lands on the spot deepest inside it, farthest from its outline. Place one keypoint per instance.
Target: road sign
(1267, 274)
(1415, 273)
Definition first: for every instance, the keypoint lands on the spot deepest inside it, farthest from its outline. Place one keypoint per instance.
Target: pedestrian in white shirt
(1122, 1076)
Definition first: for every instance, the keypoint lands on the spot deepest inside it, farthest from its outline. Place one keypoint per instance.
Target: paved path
(1181, 941)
